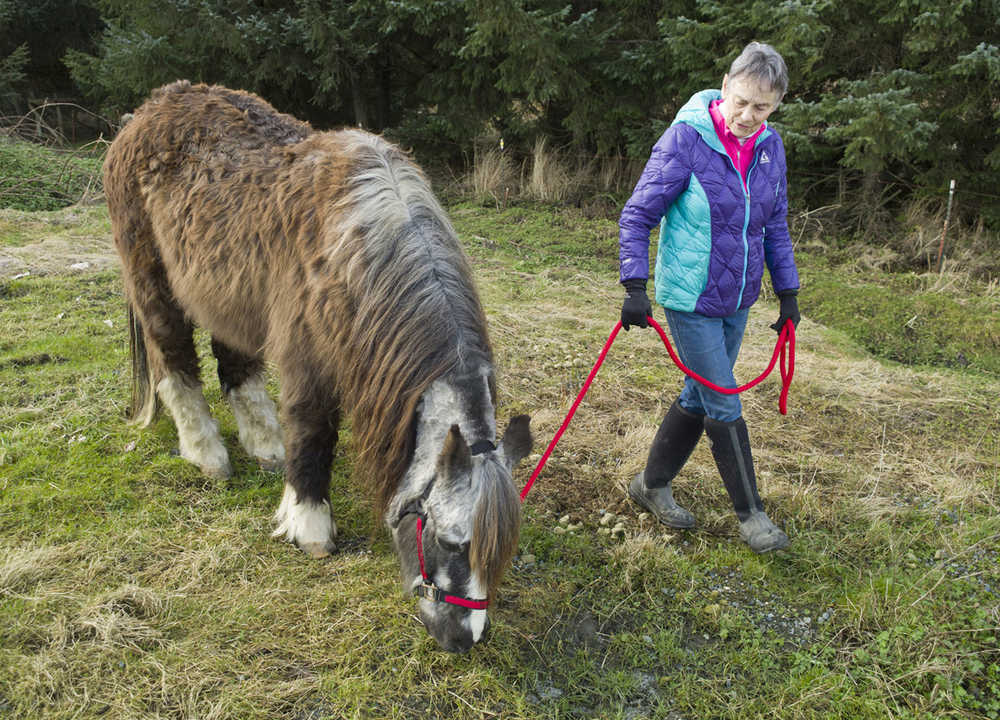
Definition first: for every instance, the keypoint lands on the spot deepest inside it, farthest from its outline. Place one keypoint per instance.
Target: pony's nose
(464, 641)
(458, 643)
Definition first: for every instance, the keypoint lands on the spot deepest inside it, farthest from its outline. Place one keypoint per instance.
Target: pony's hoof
(217, 472)
(318, 550)
(271, 464)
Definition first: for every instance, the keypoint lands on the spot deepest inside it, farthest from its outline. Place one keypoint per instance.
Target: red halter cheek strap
(428, 590)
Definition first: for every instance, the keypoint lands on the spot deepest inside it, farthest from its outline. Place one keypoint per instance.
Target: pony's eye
(452, 547)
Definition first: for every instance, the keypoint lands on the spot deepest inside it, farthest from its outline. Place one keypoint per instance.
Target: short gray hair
(763, 62)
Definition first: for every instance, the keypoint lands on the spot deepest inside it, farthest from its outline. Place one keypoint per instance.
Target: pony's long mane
(416, 313)
(496, 526)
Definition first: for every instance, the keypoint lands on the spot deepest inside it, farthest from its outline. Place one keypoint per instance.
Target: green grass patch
(34, 177)
(904, 317)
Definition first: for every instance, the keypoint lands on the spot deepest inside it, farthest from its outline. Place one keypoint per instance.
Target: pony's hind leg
(311, 427)
(242, 381)
(197, 432)
(164, 338)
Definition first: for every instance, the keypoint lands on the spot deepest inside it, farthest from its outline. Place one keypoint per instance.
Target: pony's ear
(455, 459)
(517, 440)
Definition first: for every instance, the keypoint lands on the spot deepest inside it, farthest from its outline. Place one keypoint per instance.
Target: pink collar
(741, 153)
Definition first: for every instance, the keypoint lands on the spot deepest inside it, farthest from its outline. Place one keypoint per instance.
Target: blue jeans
(709, 346)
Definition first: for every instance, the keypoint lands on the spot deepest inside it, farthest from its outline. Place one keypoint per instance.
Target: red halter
(427, 589)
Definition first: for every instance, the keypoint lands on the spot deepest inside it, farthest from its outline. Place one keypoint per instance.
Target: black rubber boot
(672, 446)
(731, 449)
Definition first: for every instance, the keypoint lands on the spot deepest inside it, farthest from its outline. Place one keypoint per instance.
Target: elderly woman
(715, 182)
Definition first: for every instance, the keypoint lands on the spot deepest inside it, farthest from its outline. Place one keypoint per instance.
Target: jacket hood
(695, 113)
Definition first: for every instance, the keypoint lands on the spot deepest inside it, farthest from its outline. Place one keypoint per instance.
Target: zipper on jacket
(746, 224)
(745, 189)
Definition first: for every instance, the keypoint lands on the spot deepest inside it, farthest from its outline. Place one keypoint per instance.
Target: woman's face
(745, 104)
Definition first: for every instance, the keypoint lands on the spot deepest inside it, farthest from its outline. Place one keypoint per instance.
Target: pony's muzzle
(453, 633)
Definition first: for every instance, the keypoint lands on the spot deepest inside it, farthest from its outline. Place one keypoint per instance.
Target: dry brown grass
(549, 180)
(859, 434)
(493, 176)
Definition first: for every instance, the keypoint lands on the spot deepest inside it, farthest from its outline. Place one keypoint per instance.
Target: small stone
(618, 529)
(607, 518)
(643, 517)
(564, 520)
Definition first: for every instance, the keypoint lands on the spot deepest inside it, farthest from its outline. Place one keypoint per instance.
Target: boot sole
(641, 502)
(780, 542)
(780, 545)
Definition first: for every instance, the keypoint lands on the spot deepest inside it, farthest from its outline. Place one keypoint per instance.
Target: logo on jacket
(764, 157)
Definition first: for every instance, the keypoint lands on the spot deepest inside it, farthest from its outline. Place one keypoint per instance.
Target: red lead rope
(785, 339)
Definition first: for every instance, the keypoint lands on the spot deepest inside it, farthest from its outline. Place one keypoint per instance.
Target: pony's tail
(144, 402)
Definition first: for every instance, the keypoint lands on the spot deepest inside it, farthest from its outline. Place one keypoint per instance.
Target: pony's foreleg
(242, 381)
(304, 516)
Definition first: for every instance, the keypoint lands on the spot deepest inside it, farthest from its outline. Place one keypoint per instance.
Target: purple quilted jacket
(714, 237)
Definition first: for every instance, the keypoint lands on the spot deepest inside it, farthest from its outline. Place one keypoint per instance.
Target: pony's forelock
(496, 524)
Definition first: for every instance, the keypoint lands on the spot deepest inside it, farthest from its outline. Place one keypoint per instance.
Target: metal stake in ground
(944, 230)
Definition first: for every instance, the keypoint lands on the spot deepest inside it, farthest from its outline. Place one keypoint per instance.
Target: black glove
(789, 310)
(636, 307)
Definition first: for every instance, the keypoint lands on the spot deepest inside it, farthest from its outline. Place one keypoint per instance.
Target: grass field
(133, 587)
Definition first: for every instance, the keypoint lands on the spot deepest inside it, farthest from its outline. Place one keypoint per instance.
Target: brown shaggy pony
(327, 254)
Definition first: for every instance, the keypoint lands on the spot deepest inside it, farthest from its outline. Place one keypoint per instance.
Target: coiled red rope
(783, 349)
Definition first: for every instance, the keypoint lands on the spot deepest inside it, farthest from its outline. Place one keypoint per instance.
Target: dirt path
(73, 240)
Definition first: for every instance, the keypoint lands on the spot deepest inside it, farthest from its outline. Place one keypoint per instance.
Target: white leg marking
(307, 524)
(477, 618)
(257, 421)
(197, 432)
